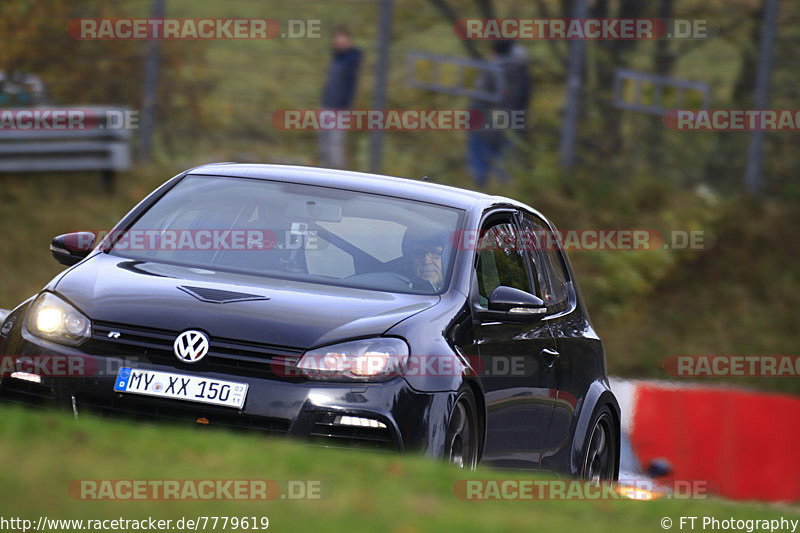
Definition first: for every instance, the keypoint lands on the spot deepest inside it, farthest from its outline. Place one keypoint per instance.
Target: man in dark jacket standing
(340, 89)
(485, 147)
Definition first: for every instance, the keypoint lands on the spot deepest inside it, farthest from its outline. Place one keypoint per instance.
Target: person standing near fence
(338, 94)
(485, 147)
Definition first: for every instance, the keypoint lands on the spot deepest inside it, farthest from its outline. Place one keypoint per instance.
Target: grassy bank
(362, 491)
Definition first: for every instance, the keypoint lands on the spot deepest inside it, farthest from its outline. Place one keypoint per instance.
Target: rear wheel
(461, 445)
(600, 456)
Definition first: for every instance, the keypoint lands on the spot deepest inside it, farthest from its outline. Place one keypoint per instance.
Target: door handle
(550, 356)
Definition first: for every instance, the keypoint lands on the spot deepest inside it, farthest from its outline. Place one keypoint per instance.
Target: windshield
(301, 232)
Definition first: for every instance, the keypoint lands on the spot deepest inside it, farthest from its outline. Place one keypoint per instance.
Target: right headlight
(53, 319)
(366, 359)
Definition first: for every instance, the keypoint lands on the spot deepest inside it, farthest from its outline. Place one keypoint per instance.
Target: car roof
(424, 191)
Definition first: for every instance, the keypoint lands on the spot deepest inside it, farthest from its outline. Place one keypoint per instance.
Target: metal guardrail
(658, 83)
(101, 148)
(458, 65)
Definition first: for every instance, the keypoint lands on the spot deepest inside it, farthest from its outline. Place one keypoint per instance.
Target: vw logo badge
(191, 346)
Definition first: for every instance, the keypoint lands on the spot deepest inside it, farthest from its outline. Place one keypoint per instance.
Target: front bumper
(294, 407)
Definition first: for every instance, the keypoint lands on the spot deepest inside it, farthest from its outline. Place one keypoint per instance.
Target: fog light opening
(636, 493)
(358, 421)
(25, 376)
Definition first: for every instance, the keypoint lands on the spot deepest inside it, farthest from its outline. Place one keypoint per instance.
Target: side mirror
(517, 304)
(70, 248)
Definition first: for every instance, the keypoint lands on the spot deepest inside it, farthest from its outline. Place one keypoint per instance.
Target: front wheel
(600, 455)
(461, 445)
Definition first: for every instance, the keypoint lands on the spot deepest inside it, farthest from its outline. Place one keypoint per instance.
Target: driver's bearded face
(428, 265)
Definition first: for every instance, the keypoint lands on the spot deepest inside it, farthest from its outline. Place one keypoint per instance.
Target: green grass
(362, 491)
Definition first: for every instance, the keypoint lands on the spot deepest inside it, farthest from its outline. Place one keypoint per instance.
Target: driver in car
(425, 258)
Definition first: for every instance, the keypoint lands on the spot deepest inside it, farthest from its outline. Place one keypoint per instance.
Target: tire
(600, 449)
(462, 436)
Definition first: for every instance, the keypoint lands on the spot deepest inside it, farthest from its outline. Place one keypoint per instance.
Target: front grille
(225, 355)
(147, 410)
(28, 393)
(325, 432)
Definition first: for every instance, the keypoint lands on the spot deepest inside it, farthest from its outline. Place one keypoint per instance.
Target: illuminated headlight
(358, 421)
(380, 357)
(53, 319)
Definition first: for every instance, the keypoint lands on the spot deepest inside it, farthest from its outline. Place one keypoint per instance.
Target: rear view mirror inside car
(314, 209)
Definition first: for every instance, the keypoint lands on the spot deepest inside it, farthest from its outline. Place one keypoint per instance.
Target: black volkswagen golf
(345, 308)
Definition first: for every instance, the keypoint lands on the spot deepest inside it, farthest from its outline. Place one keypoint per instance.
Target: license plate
(181, 387)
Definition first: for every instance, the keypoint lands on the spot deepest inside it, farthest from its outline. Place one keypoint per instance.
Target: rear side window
(500, 261)
(545, 256)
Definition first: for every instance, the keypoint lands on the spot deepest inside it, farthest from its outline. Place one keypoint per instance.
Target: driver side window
(501, 261)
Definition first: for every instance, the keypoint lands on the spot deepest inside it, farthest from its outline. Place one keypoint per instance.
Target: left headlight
(53, 319)
(366, 359)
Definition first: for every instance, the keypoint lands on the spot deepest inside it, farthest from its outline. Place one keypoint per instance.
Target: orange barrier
(746, 443)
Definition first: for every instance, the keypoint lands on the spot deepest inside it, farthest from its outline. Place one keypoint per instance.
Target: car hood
(113, 289)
